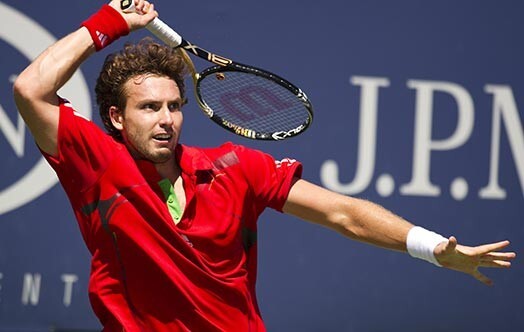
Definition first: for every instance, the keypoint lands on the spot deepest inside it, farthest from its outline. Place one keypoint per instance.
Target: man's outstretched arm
(368, 222)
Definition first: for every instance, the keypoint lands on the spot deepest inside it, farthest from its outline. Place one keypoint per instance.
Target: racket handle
(164, 32)
(157, 27)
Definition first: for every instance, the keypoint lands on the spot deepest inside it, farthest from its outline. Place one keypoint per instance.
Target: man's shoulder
(216, 151)
(218, 157)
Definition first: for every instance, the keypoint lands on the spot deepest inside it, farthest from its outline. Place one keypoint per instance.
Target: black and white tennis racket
(245, 100)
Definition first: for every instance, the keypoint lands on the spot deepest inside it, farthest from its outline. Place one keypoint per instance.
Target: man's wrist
(106, 26)
(421, 243)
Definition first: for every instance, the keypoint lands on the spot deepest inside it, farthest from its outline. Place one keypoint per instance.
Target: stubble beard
(160, 157)
(148, 151)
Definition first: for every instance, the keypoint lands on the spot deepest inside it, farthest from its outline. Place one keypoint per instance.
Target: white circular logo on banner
(31, 39)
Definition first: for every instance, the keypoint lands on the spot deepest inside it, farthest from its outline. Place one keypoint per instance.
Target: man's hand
(468, 260)
(144, 13)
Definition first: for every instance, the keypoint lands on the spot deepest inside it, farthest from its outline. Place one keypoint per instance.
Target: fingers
(469, 259)
(447, 247)
(452, 243)
(497, 259)
(491, 247)
(499, 255)
(488, 250)
(482, 278)
(497, 263)
(142, 6)
(142, 13)
(148, 9)
(493, 259)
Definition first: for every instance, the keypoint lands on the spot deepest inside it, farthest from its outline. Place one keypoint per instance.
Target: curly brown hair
(144, 57)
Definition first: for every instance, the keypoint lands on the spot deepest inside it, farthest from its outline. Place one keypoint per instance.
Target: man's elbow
(343, 221)
(29, 93)
(23, 91)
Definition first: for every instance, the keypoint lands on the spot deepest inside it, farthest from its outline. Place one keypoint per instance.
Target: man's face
(152, 119)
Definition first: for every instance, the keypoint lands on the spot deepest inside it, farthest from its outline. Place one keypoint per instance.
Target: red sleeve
(269, 179)
(83, 149)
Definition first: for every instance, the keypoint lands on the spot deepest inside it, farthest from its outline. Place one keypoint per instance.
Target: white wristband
(421, 243)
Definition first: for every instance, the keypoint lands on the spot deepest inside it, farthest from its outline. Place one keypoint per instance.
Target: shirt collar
(192, 160)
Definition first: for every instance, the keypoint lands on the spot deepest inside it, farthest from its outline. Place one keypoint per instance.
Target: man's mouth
(163, 137)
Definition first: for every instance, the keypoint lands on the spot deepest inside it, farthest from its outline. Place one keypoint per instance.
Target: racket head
(252, 102)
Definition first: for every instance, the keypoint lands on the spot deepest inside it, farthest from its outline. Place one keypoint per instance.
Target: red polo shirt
(148, 274)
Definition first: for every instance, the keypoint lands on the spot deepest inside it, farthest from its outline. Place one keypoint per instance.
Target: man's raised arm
(35, 89)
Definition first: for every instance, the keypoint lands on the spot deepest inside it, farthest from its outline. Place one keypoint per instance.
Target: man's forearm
(355, 218)
(371, 223)
(54, 67)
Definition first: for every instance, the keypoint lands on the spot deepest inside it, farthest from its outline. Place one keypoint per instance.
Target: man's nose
(166, 116)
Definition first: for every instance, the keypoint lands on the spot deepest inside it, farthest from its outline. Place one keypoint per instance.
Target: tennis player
(172, 228)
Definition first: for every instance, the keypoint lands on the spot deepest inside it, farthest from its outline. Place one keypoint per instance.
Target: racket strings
(252, 101)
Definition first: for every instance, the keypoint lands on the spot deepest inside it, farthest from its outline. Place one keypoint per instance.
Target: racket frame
(247, 132)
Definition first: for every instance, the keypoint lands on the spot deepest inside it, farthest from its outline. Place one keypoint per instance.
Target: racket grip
(157, 27)
(164, 32)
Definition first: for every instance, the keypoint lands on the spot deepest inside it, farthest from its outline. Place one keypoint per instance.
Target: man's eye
(174, 106)
(148, 107)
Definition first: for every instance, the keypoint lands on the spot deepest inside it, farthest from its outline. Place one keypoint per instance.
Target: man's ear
(116, 116)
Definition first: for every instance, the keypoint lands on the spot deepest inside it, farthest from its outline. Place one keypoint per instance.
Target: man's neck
(169, 170)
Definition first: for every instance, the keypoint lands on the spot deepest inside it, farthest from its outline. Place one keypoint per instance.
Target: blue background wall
(466, 54)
